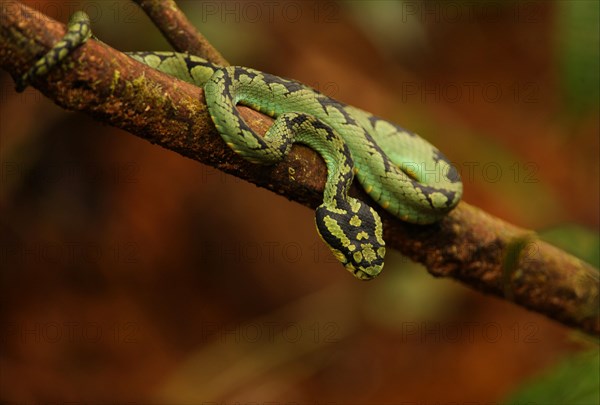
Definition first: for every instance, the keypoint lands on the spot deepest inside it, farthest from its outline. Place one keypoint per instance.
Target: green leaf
(579, 43)
(574, 381)
(577, 240)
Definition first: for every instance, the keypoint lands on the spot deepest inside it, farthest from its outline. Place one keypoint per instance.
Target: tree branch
(468, 245)
(178, 30)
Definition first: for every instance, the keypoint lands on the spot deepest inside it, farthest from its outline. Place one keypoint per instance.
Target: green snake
(404, 174)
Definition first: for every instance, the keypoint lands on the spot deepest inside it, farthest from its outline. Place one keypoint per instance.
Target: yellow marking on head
(381, 252)
(368, 252)
(362, 235)
(336, 231)
(361, 275)
(357, 257)
(354, 204)
(378, 227)
(339, 255)
(355, 221)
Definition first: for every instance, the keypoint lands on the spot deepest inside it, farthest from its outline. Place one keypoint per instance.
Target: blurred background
(133, 275)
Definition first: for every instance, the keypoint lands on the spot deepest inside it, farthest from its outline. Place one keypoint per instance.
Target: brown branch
(178, 30)
(469, 245)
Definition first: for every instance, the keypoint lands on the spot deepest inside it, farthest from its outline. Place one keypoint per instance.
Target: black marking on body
(297, 120)
(402, 129)
(227, 83)
(452, 174)
(244, 127)
(428, 190)
(318, 124)
(387, 163)
(192, 62)
(373, 120)
(330, 102)
(238, 72)
(291, 86)
(161, 56)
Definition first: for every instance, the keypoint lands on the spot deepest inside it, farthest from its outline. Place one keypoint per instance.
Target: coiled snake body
(403, 173)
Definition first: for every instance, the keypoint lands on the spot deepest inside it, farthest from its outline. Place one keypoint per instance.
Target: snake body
(403, 173)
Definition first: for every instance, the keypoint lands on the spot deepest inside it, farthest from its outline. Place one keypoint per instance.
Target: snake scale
(403, 173)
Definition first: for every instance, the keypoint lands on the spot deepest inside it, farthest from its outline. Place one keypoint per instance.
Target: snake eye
(353, 232)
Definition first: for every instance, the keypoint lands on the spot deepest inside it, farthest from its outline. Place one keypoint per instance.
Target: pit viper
(403, 173)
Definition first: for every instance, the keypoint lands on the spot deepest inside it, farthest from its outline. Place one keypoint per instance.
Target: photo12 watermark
(110, 11)
(269, 11)
(32, 332)
(470, 332)
(272, 332)
(69, 253)
(470, 92)
(469, 11)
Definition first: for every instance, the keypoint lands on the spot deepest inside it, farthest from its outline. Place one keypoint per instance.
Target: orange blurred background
(133, 275)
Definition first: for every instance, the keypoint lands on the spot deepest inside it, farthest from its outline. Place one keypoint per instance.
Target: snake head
(354, 233)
